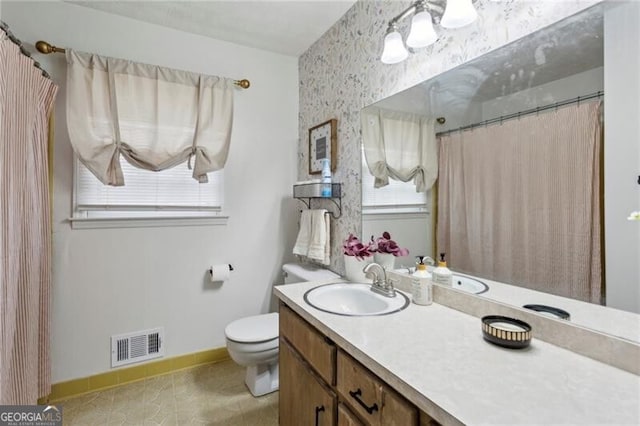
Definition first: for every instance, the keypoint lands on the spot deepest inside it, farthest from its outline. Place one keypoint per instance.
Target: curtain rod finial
(244, 83)
(46, 48)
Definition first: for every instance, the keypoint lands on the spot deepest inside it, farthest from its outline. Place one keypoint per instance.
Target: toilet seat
(255, 329)
(252, 348)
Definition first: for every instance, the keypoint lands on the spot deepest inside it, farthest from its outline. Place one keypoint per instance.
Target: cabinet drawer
(346, 417)
(369, 397)
(304, 399)
(315, 348)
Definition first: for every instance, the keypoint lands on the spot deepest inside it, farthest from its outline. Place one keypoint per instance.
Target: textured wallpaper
(341, 73)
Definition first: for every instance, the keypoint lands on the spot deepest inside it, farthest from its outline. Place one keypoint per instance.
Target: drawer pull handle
(318, 411)
(356, 395)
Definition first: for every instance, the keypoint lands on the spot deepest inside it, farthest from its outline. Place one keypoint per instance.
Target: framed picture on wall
(322, 144)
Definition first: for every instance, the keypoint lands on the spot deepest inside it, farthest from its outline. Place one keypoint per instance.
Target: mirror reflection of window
(398, 209)
(397, 197)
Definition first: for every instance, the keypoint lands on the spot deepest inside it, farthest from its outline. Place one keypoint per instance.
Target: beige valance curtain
(519, 202)
(26, 99)
(154, 117)
(400, 145)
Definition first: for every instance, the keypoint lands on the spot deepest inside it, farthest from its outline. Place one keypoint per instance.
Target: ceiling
(287, 27)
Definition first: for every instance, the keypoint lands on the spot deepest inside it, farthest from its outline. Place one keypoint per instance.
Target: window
(397, 197)
(147, 198)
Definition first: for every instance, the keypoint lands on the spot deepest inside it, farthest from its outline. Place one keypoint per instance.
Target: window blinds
(172, 191)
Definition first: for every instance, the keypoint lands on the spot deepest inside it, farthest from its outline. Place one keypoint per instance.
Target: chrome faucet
(429, 261)
(381, 284)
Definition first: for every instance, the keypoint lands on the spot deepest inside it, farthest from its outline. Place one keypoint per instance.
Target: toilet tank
(300, 272)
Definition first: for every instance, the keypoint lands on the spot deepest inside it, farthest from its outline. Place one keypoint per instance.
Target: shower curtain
(519, 202)
(26, 97)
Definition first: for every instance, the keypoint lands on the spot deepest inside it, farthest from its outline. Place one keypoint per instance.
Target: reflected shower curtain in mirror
(26, 98)
(519, 202)
(155, 117)
(400, 145)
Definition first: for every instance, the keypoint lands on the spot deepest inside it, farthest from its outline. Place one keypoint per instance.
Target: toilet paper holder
(211, 269)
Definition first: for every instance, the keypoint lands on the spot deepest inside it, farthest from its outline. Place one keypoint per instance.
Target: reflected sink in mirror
(460, 282)
(468, 284)
(354, 299)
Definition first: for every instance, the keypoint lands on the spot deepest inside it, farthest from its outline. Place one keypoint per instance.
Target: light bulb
(422, 33)
(458, 13)
(394, 50)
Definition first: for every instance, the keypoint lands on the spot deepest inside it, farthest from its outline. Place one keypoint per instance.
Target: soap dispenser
(326, 178)
(442, 274)
(421, 288)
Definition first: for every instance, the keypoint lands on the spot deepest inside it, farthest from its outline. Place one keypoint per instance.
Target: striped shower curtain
(26, 98)
(519, 202)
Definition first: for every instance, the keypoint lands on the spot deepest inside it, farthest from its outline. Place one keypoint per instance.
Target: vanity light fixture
(455, 14)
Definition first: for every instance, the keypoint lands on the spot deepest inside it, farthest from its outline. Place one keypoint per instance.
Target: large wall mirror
(560, 66)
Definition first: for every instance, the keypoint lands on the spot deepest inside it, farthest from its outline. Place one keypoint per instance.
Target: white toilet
(253, 341)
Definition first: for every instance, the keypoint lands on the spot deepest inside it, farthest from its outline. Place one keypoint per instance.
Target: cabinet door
(304, 399)
(346, 417)
(310, 343)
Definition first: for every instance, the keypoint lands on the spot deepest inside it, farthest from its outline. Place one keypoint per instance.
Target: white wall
(622, 154)
(109, 281)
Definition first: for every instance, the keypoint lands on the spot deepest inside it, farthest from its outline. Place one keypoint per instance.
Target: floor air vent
(135, 347)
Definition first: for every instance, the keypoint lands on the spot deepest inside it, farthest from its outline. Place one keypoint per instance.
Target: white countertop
(436, 357)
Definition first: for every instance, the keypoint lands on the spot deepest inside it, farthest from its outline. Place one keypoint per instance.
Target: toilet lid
(258, 328)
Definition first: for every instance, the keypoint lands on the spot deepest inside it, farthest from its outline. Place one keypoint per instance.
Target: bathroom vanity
(319, 380)
(427, 365)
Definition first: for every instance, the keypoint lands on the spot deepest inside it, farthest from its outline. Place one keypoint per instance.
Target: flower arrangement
(354, 247)
(385, 244)
(634, 216)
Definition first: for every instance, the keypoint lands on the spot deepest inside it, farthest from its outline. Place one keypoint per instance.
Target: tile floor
(212, 394)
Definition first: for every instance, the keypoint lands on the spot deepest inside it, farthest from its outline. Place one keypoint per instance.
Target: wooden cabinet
(346, 417)
(322, 385)
(304, 399)
(427, 420)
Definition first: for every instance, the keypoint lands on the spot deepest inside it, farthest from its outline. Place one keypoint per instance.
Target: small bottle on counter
(326, 178)
(421, 288)
(442, 274)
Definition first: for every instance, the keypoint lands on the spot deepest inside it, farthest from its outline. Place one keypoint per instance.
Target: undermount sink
(354, 299)
(470, 285)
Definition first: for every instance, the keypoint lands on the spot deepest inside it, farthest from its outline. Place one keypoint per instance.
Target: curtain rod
(5, 28)
(598, 94)
(46, 48)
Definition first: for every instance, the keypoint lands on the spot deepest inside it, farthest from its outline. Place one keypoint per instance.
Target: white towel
(313, 239)
(304, 235)
(327, 245)
(318, 240)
